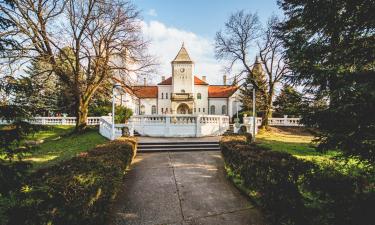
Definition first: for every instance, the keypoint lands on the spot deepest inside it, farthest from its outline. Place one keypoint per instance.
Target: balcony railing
(182, 96)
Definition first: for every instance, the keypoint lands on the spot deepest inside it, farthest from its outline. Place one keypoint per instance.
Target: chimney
(225, 79)
(144, 81)
(204, 78)
(162, 78)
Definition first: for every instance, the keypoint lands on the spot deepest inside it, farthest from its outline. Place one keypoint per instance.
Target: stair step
(178, 143)
(178, 146)
(179, 149)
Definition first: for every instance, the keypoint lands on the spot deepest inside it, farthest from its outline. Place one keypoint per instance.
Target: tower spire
(182, 55)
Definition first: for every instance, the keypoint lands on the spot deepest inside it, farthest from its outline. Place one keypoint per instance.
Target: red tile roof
(214, 91)
(146, 91)
(221, 91)
(197, 81)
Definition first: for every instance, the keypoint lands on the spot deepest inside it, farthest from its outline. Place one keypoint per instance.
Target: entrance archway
(183, 109)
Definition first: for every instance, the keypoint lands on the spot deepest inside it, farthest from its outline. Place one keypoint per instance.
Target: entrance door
(183, 109)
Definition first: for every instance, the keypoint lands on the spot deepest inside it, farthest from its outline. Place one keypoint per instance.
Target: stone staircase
(178, 146)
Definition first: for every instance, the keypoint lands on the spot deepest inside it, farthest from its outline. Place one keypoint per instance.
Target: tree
(330, 45)
(5, 23)
(289, 102)
(275, 64)
(49, 96)
(97, 40)
(234, 44)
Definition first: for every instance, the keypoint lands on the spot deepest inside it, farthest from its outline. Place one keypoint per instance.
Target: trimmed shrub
(77, 191)
(293, 191)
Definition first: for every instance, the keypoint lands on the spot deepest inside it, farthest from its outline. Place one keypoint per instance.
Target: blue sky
(167, 23)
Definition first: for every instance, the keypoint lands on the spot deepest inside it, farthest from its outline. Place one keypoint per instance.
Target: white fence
(57, 121)
(105, 128)
(285, 121)
(180, 125)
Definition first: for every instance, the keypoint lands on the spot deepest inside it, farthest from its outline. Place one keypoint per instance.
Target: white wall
(164, 103)
(203, 102)
(183, 80)
(148, 103)
(218, 103)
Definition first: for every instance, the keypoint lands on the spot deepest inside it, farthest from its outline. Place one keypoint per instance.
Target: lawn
(60, 145)
(297, 142)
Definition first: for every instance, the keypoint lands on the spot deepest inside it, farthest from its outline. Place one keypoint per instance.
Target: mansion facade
(183, 93)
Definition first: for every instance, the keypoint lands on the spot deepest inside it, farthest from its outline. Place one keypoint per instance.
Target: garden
(64, 178)
(292, 183)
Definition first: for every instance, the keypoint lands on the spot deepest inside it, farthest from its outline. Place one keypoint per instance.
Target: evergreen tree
(330, 45)
(50, 96)
(289, 102)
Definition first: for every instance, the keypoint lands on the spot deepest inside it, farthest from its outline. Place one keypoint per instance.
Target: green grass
(58, 145)
(297, 144)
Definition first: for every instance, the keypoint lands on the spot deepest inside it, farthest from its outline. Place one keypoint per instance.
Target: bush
(293, 191)
(77, 191)
(121, 112)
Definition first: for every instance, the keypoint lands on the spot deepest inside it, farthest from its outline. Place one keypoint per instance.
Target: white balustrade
(179, 125)
(56, 121)
(105, 128)
(284, 121)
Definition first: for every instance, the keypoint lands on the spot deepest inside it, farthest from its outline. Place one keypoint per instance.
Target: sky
(168, 23)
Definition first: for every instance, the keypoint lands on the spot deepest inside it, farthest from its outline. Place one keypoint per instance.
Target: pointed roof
(182, 55)
(257, 68)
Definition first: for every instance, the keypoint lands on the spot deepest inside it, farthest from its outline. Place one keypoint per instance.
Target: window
(182, 91)
(195, 110)
(166, 110)
(162, 110)
(199, 96)
(199, 109)
(142, 110)
(224, 110)
(162, 95)
(203, 109)
(166, 95)
(153, 109)
(212, 109)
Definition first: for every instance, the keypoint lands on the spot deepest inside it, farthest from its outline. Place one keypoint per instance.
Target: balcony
(182, 97)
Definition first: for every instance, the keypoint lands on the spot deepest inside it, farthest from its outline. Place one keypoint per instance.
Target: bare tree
(242, 32)
(275, 64)
(86, 42)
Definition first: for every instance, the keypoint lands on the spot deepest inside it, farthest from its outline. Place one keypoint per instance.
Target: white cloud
(166, 42)
(152, 12)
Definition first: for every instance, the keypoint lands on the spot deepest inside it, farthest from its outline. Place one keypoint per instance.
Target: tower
(182, 72)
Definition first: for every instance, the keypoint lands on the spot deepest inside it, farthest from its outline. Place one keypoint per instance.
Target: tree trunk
(267, 111)
(82, 111)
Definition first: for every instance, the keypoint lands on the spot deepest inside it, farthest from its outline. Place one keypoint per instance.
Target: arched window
(166, 95)
(142, 110)
(153, 109)
(224, 110)
(212, 109)
(199, 96)
(162, 95)
(182, 91)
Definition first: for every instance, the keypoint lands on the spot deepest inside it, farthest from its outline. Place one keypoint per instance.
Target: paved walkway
(185, 188)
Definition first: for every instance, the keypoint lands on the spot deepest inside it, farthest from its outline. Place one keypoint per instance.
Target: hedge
(77, 191)
(294, 191)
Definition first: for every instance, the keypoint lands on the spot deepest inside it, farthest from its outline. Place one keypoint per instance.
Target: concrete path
(185, 188)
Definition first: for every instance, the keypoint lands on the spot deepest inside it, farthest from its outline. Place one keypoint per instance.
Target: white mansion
(183, 93)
